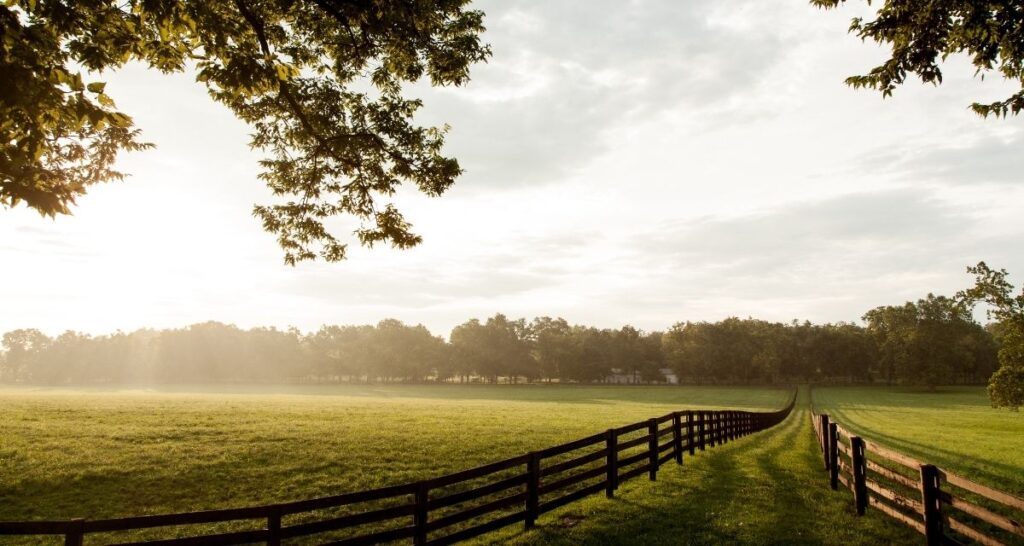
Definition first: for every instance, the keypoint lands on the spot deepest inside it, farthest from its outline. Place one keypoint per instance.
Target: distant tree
(627, 352)
(592, 355)
(652, 359)
(1006, 387)
(470, 353)
(498, 348)
(928, 342)
(920, 34)
(555, 348)
(338, 352)
(690, 350)
(320, 82)
(22, 351)
(404, 352)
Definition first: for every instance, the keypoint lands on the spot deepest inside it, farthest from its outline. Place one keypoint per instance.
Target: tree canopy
(991, 287)
(320, 82)
(923, 33)
(500, 349)
(931, 341)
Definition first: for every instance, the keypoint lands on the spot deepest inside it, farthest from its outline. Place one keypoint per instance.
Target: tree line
(930, 342)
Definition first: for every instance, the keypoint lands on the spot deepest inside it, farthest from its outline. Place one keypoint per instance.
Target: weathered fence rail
(450, 508)
(942, 506)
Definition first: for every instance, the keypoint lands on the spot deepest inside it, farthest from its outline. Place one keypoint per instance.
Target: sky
(642, 162)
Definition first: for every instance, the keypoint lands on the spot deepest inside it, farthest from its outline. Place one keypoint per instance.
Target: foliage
(22, 349)
(896, 346)
(930, 342)
(922, 33)
(746, 351)
(319, 81)
(1006, 387)
(495, 348)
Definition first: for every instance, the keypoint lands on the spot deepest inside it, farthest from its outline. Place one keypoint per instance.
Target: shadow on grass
(767, 488)
(969, 467)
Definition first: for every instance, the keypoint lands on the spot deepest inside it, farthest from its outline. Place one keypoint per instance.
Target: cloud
(421, 287)
(989, 159)
(565, 74)
(839, 249)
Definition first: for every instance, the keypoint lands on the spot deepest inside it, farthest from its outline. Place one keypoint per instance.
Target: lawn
(97, 453)
(766, 488)
(953, 427)
(115, 453)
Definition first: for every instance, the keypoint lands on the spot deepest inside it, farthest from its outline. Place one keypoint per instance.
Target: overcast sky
(645, 162)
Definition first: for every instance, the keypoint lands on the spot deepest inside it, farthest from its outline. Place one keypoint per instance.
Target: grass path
(767, 488)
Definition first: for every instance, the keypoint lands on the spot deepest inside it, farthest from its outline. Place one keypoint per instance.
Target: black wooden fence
(446, 509)
(942, 506)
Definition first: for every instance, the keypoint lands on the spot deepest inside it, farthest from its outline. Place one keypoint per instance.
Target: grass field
(767, 488)
(953, 427)
(117, 453)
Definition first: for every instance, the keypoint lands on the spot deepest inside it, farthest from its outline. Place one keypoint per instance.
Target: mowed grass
(953, 427)
(99, 454)
(766, 488)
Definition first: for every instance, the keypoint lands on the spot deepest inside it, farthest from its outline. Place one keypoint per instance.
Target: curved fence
(942, 506)
(446, 509)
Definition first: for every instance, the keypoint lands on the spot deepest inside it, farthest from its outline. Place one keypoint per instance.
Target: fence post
(612, 445)
(677, 437)
(422, 492)
(532, 489)
(652, 447)
(713, 433)
(75, 533)
(701, 427)
(689, 432)
(932, 506)
(860, 471)
(274, 526)
(823, 438)
(833, 455)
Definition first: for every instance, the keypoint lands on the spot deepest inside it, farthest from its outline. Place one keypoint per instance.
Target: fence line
(942, 506)
(434, 511)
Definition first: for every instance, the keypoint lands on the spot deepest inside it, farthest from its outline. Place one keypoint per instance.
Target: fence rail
(942, 506)
(454, 507)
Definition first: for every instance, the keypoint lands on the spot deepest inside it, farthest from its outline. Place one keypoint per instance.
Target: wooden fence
(446, 509)
(942, 506)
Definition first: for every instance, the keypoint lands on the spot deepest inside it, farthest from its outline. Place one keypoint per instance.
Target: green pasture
(952, 427)
(113, 453)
